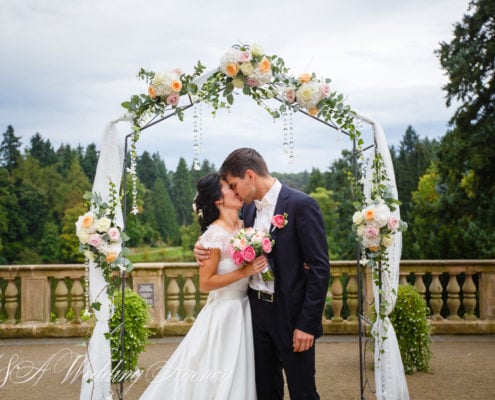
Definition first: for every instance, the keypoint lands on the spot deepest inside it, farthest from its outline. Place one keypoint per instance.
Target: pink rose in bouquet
(249, 243)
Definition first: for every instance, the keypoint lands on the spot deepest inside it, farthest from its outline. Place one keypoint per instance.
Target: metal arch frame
(361, 319)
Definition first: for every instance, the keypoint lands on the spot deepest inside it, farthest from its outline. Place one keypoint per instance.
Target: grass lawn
(159, 254)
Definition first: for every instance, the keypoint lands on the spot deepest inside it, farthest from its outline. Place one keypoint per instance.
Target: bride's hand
(256, 266)
(201, 253)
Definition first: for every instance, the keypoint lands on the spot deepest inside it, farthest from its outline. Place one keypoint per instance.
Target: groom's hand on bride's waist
(201, 253)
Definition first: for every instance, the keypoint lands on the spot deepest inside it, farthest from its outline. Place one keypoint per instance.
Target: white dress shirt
(265, 209)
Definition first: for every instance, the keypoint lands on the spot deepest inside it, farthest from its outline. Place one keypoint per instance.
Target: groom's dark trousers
(299, 260)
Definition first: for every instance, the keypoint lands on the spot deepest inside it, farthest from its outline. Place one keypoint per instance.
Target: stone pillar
(487, 299)
(150, 285)
(35, 299)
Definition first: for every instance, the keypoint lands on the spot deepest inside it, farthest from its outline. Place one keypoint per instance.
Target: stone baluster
(61, 301)
(436, 301)
(337, 297)
(469, 297)
(352, 298)
(420, 285)
(403, 279)
(202, 299)
(77, 293)
(453, 299)
(189, 298)
(11, 303)
(173, 301)
(1, 304)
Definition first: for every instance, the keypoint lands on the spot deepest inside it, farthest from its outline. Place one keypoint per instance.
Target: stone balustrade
(47, 300)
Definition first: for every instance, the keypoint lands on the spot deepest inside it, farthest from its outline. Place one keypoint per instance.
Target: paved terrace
(463, 368)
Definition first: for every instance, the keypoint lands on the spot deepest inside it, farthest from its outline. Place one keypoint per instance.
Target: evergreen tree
(410, 162)
(89, 161)
(42, 150)
(164, 214)
(338, 180)
(49, 246)
(161, 171)
(182, 193)
(10, 155)
(146, 170)
(467, 154)
(330, 211)
(315, 181)
(9, 209)
(65, 156)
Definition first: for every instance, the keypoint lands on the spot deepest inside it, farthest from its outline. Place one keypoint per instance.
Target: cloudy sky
(68, 65)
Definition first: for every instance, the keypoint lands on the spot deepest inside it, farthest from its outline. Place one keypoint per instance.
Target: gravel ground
(463, 368)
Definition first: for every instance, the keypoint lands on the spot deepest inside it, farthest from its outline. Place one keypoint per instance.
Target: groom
(287, 311)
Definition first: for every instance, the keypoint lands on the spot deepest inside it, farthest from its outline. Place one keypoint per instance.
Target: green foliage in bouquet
(135, 334)
(410, 321)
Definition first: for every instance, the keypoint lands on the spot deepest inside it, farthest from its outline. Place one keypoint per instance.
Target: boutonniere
(280, 220)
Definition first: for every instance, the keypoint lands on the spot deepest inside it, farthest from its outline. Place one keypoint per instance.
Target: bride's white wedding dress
(215, 360)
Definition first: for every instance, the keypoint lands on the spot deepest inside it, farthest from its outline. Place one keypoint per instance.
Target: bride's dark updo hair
(209, 190)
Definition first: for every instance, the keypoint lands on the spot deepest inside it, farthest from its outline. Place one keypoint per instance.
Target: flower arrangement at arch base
(101, 240)
(375, 225)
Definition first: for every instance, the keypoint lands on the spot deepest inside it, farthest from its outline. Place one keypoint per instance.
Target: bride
(215, 360)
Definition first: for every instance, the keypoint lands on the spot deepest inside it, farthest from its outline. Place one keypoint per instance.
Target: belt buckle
(265, 296)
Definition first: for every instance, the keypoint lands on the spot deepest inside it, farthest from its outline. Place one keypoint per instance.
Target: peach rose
(265, 65)
(152, 92)
(176, 85)
(111, 257)
(313, 111)
(87, 221)
(304, 78)
(369, 214)
(231, 69)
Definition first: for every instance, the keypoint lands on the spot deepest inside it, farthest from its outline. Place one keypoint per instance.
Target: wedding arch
(266, 79)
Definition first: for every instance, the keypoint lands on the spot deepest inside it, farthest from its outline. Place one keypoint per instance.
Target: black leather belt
(260, 295)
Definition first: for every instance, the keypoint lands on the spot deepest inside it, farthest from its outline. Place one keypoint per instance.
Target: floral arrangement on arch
(245, 68)
(374, 222)
(101, 240)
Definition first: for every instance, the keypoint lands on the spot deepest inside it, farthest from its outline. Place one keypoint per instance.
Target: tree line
(446, 187)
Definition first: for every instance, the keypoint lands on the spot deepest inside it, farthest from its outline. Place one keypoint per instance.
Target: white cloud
(67, 66)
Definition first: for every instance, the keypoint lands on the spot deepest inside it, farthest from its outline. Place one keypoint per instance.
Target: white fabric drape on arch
(96, 379)
(390, 379)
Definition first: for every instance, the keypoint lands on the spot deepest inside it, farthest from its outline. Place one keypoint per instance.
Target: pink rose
(290, 95)
(245, 56)
(249, 254)
(252, 82)
(279, 221)
(113, 234)
(371, 231)
(172, 99)
(237, 257)
(94, 240)
(393, 223)
(325, 90)
(266, 245)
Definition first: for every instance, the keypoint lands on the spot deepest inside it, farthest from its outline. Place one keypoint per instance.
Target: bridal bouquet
(249, 243)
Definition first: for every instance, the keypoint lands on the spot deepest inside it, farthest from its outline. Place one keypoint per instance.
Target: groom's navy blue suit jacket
(299, 261)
